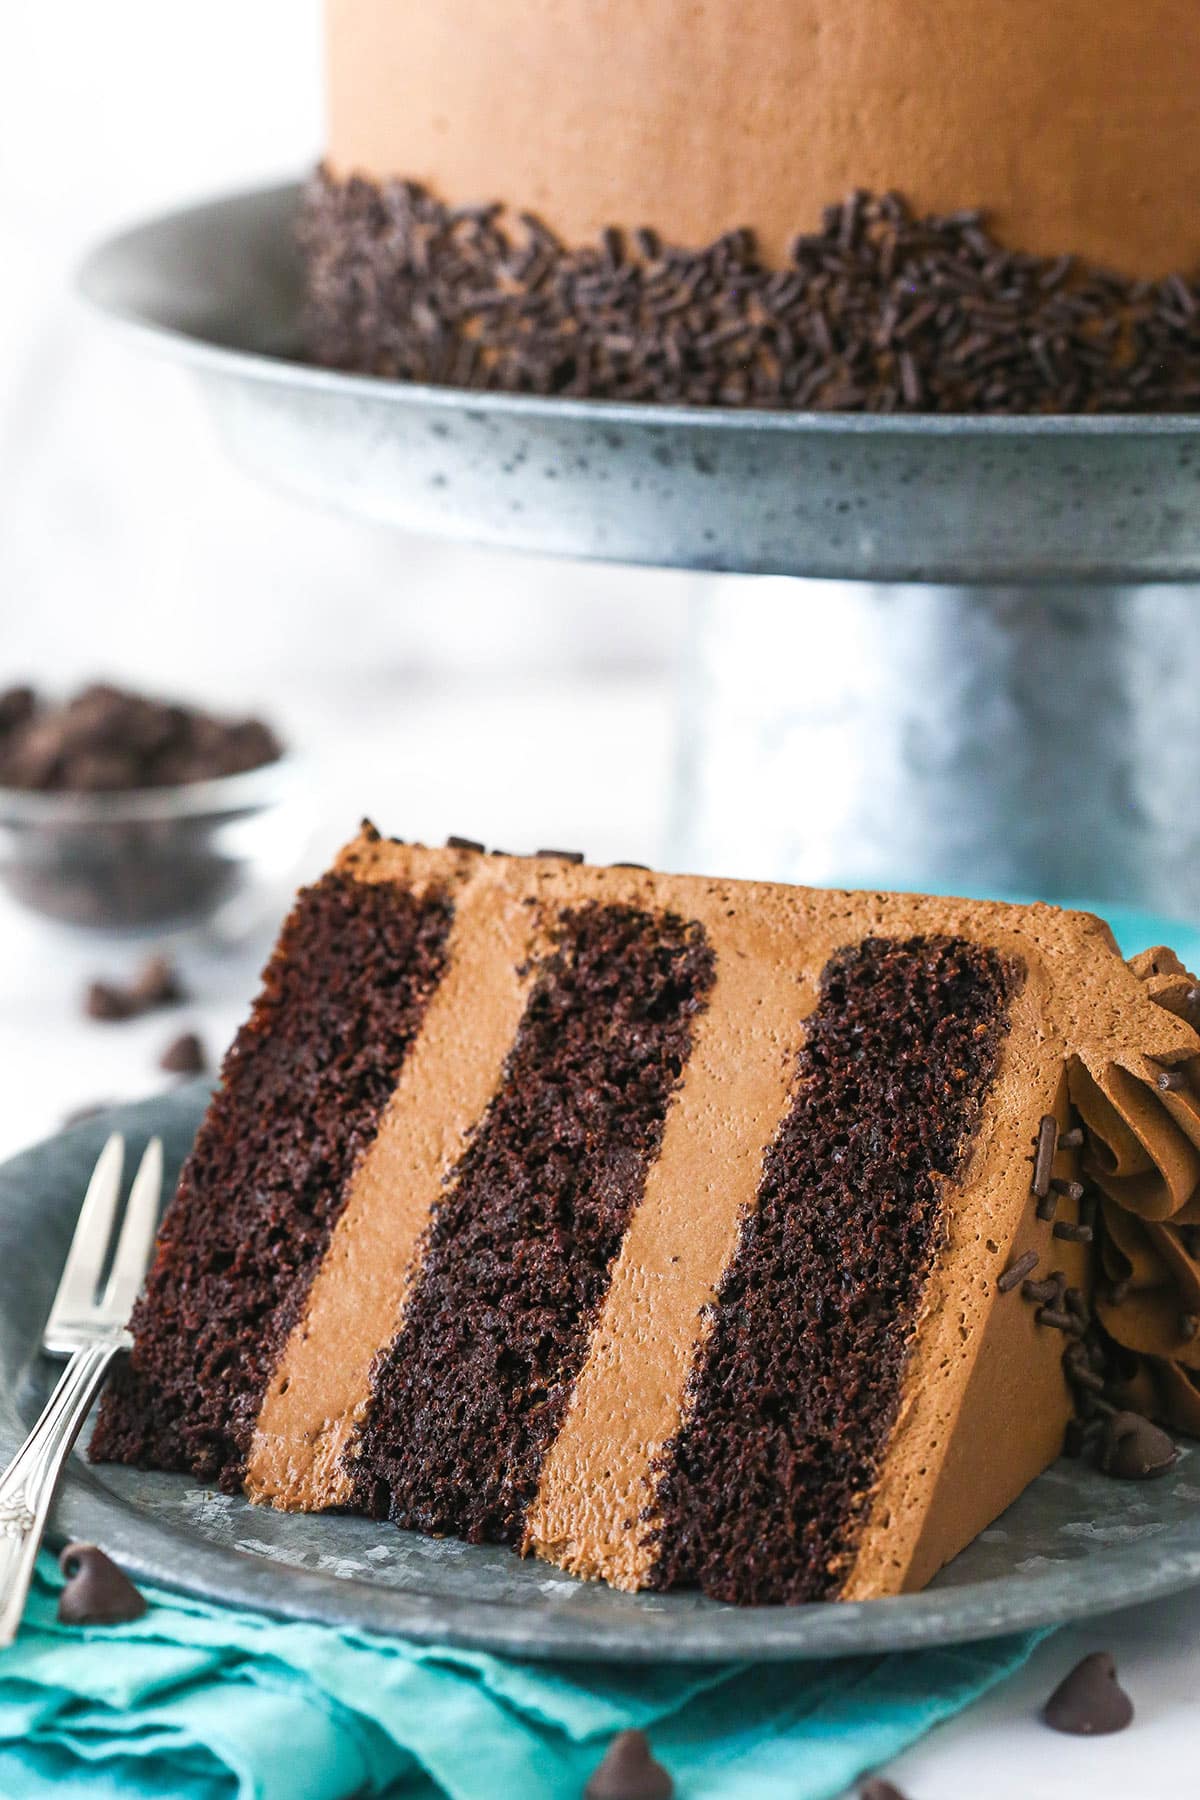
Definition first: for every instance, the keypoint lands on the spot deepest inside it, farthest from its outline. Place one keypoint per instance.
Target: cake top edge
(373, 855)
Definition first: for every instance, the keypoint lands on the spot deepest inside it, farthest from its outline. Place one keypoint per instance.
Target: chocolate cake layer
(878, 310)
(470, 1395)
(794, 1396)
(301, 1093)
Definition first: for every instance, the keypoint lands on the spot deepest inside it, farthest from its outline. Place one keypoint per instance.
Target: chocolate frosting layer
(1143, 1152)
(1074, 123)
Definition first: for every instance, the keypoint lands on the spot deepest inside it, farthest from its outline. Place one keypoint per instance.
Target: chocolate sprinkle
(1189, 1325)
(1043, 1156)
(1073, 1234)
(1172, 1080)
(1089, 1702)
(1061, 1321)
(879, 310)
(1017, 1271)
(464, 843)
(879, 1789)
(1071, 1140)
(571, 856)
(629, 1772)
(97, 1592)
(1070, 1190)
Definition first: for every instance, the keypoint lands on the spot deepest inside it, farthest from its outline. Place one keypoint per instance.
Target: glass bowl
(153, 859)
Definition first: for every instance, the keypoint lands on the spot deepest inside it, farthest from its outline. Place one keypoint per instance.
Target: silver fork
(88, 1327)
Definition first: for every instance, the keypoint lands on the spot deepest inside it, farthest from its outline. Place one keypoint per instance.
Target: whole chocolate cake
(680, 1231)
(857, 204)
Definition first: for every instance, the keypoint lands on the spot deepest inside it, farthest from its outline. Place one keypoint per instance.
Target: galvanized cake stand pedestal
(981, 673)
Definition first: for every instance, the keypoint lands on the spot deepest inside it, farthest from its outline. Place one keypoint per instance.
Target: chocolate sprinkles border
(880, 310)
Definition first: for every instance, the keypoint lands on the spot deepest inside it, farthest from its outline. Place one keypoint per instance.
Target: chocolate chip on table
(105, 1000)
(879, 1789)
(1134, 1449)
(1089, 1702)
(629, 1772)
(184, 1055)
(157, 983)
(97, 1592)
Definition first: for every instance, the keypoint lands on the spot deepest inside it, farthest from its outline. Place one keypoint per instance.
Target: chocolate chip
(184, 1055)
(1135, 1450)
(97, 1592)
(157, 983)
(1089, 1702)
(879, 1789)
(104, 1000)
(629, 1772)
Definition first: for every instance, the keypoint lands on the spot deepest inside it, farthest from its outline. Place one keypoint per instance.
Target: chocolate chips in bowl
(126, 813)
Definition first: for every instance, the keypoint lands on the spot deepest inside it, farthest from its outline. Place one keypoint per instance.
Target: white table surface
(418, 769)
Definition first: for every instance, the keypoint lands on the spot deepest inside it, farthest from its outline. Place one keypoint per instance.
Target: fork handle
(27, 1485)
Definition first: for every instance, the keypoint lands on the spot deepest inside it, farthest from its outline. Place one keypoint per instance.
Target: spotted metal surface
(864, 498)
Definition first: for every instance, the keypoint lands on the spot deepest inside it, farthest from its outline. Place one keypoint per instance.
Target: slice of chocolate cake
(680, 1231)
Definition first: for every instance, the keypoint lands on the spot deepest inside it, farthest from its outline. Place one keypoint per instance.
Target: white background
(439, 689)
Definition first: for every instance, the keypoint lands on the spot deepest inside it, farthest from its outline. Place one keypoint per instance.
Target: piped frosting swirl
(1142, 1117)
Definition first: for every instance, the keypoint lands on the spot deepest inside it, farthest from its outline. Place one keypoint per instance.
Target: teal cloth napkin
(199, 1702)
(195, 1702)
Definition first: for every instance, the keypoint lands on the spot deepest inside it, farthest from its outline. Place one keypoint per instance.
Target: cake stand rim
(94, 272)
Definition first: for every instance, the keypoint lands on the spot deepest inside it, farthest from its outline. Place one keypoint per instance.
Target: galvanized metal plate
(1074, 1545)
(864, 498)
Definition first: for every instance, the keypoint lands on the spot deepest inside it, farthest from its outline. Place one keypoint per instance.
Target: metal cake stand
(1025, 726)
